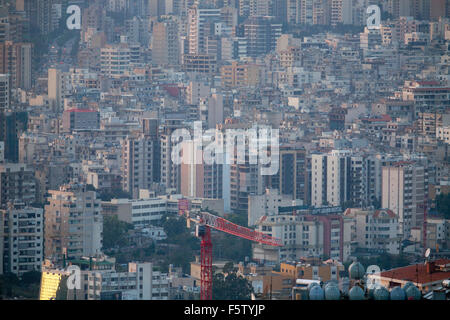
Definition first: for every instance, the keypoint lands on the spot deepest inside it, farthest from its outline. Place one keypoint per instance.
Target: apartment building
(266, 204)
(22, 238)
(404, 190)
(375, 230)
(17, 184)
(115, 60)
(313, 269)
(240, 75)
(198, 177)
(199, 28)
(16, 60)
(80, 119)
(165, 43)
(261, 34)
(317, 235)
(291, 178)
(139, 212)
(140, 282)
(140, 161)
(73, 223)
(330, 178)
(4, 92)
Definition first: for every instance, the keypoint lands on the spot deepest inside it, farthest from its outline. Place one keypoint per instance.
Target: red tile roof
(418, 273)
(390, 213)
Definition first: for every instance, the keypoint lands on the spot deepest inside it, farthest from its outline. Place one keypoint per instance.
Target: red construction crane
(424, 205)
(205, 221)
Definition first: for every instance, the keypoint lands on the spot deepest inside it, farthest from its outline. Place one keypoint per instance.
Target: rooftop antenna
(427, 254)
(427, 259)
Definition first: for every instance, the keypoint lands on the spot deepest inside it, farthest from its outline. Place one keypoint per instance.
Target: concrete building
(404, 190)
(426, 276)
(330, 178)
(140, 161)
(197, 90)
(198, 178)
(17, 184)
(291, 179)
(73, 223)
(139, 212)
(375, 230)
(313, 269)
(99, 280)
(140, 282)
(4, 92)
(199, 27)
(16, 60)
(22, 238)
(211, 110)
(317, 235)
(115, 60)
(57, 88)
(166, 43)
(266, 204)
(240, 75)
(80, 119)
(261, 34)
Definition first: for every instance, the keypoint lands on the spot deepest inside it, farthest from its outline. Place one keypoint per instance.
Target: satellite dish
(427, 253)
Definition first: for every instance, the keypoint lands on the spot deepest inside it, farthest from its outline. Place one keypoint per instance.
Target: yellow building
(240, 75)
(50, 281)
(313, 269)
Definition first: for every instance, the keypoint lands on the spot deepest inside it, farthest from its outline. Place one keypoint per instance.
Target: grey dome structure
(370, 293)
(330, 284)
(332, 293)
(407, 285)
(311, 285)
(398, 293)
(356, 293)
(413, 293)
(316, 293)
(356, 271)
(381, 293)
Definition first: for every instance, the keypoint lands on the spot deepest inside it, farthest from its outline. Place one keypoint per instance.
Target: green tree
(114, 194)
(174, 228)
(229, 267)
(231, 287)
(443, 204)
(114, 232)
(31, 277)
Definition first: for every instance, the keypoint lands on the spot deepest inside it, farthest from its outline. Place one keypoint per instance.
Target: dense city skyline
(224, 149)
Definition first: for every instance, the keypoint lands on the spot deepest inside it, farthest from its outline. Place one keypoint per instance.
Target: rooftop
(418, 273)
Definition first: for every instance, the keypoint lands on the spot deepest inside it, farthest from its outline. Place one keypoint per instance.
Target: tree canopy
(443, 205)
(114, 231)
(231, 287)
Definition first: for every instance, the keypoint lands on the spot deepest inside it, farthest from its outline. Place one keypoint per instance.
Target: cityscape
(225, 150)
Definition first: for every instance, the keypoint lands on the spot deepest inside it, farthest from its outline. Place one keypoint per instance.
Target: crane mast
(205, 221)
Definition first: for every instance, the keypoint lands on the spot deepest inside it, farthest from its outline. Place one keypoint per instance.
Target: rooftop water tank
(413, 293)
(381, 293)
(332, 293)
(407, 285)
(398, 294)
(356, 293)
(331, 284)
(311, 285)
(370, 292)
(356, 271)
(316, 293)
